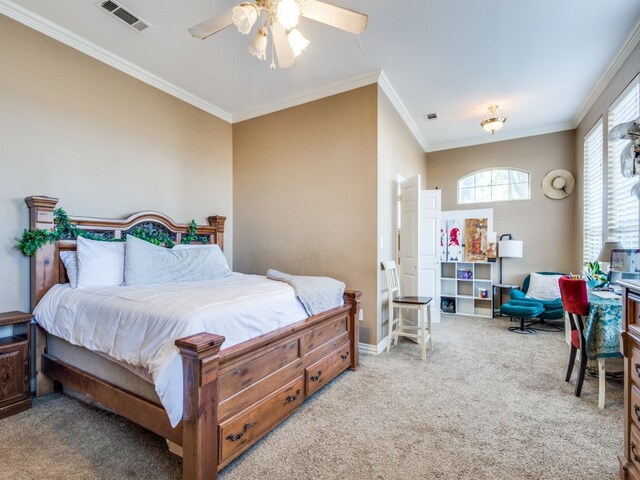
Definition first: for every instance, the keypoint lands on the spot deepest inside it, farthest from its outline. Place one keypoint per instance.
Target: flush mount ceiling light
(280, 17)
(493, 119)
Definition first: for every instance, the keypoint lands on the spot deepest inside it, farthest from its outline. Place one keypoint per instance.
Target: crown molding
(42, 25)
(399, 105)
(469, 142)
(627, 47)
(335, 89)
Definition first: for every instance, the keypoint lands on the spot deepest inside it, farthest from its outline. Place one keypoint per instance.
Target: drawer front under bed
(244, 429)
(325, 370)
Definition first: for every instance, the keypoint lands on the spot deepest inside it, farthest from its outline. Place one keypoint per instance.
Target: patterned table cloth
(602, 327)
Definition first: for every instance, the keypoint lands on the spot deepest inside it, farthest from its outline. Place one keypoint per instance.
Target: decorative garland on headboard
(35, 238)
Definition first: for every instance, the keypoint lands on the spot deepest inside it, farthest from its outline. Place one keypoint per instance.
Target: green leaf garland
(34, 239)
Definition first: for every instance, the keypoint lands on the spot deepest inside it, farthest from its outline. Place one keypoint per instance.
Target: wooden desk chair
(421, 332)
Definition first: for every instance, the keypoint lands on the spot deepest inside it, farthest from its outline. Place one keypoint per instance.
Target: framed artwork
(476, 239)
(443, 244)
(454, 247)
(492, 249)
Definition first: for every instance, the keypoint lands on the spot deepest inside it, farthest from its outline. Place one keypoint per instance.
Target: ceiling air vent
(430, 116)
(124, 15)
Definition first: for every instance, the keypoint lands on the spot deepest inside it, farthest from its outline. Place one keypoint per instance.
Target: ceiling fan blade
(212, 25)
(286, 57)
(337, 17)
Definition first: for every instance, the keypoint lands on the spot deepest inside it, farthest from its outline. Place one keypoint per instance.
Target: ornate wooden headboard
(46, 267)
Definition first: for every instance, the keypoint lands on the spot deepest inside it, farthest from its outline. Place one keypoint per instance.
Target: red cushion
(575, 338)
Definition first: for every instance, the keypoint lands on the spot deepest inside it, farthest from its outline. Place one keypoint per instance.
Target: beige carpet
(487, 404)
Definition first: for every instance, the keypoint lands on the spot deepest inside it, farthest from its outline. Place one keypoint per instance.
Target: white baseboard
(368, 349)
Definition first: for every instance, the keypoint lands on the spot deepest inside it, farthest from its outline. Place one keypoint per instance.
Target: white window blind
(623, 213)
(593, 188)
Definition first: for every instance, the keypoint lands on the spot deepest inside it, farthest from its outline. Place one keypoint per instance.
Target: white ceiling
(539, 60)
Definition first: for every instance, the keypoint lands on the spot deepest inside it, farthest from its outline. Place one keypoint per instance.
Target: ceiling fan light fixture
(244, 17)
(288, 13)
(493, 120)
(258, 47)
(297, 41)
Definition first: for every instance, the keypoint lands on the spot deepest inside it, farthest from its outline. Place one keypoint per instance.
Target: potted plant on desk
(594, 276)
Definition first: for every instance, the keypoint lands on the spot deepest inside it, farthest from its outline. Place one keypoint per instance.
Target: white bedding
(139, 324)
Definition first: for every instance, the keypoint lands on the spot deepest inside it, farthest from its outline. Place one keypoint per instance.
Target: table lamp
(605, 255)
(605, 252)
(509, 248)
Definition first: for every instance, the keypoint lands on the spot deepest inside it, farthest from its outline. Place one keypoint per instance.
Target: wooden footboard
(234, 397)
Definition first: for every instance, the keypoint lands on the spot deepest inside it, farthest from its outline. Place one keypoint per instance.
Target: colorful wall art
(454, 244)
(476, 239)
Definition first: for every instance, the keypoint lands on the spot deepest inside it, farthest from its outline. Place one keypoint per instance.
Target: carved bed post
(44, 270)
(217, 221)
(355, 298)
(200, 362)
(44, 275)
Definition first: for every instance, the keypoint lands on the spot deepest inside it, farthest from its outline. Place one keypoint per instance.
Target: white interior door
(409, 235)
(429, 251)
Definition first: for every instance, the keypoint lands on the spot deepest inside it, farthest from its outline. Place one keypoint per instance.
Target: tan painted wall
(304, 184)
(398, 154)
(627, 72)
(547, 227)
(104, 143)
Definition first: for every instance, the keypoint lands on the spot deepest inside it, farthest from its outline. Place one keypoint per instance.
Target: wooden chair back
(393, 279)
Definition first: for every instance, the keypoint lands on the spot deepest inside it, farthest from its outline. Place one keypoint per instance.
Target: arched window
(494, 185)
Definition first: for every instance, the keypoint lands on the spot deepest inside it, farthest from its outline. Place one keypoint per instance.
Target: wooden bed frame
(232, 398)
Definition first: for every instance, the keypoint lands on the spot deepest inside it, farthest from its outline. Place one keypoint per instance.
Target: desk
(602, 327)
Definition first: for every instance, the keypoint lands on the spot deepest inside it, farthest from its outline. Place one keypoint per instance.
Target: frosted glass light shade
(244, 16)
(288, 13)
(297, 41)
(493, 120)
(510, 248)
(258, 47)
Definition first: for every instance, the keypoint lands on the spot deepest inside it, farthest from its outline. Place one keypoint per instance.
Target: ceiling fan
(280, 17)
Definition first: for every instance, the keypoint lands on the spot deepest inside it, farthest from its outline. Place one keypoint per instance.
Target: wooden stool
(421, 304)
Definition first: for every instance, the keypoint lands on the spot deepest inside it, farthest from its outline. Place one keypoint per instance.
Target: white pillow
(70, 260)
(220, 259)
(544, 287)
(100, 264)
(146, 263)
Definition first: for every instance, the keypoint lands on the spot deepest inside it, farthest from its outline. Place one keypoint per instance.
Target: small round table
(499, 287)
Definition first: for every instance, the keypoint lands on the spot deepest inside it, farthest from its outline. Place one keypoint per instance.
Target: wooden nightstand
(15, 392)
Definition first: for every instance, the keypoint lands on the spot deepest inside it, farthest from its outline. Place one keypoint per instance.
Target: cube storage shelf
(461, 283)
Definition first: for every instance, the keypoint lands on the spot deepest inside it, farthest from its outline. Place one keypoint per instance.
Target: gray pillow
(145, 263)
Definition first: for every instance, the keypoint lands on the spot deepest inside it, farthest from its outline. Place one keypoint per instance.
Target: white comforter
(139, 324)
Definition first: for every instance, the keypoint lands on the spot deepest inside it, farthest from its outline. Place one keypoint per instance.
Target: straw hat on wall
(558, 184)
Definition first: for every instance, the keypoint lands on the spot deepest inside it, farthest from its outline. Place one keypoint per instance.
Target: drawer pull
(635, 454)
(315, 378)
(636, 409)
(293, 398)
(345, 356)
(238, 436)
(637, 367)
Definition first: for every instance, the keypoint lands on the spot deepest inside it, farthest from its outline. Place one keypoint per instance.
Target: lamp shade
(605, 252)
(510, 248)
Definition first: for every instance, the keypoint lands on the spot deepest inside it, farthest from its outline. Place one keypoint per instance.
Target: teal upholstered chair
(553, 309)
